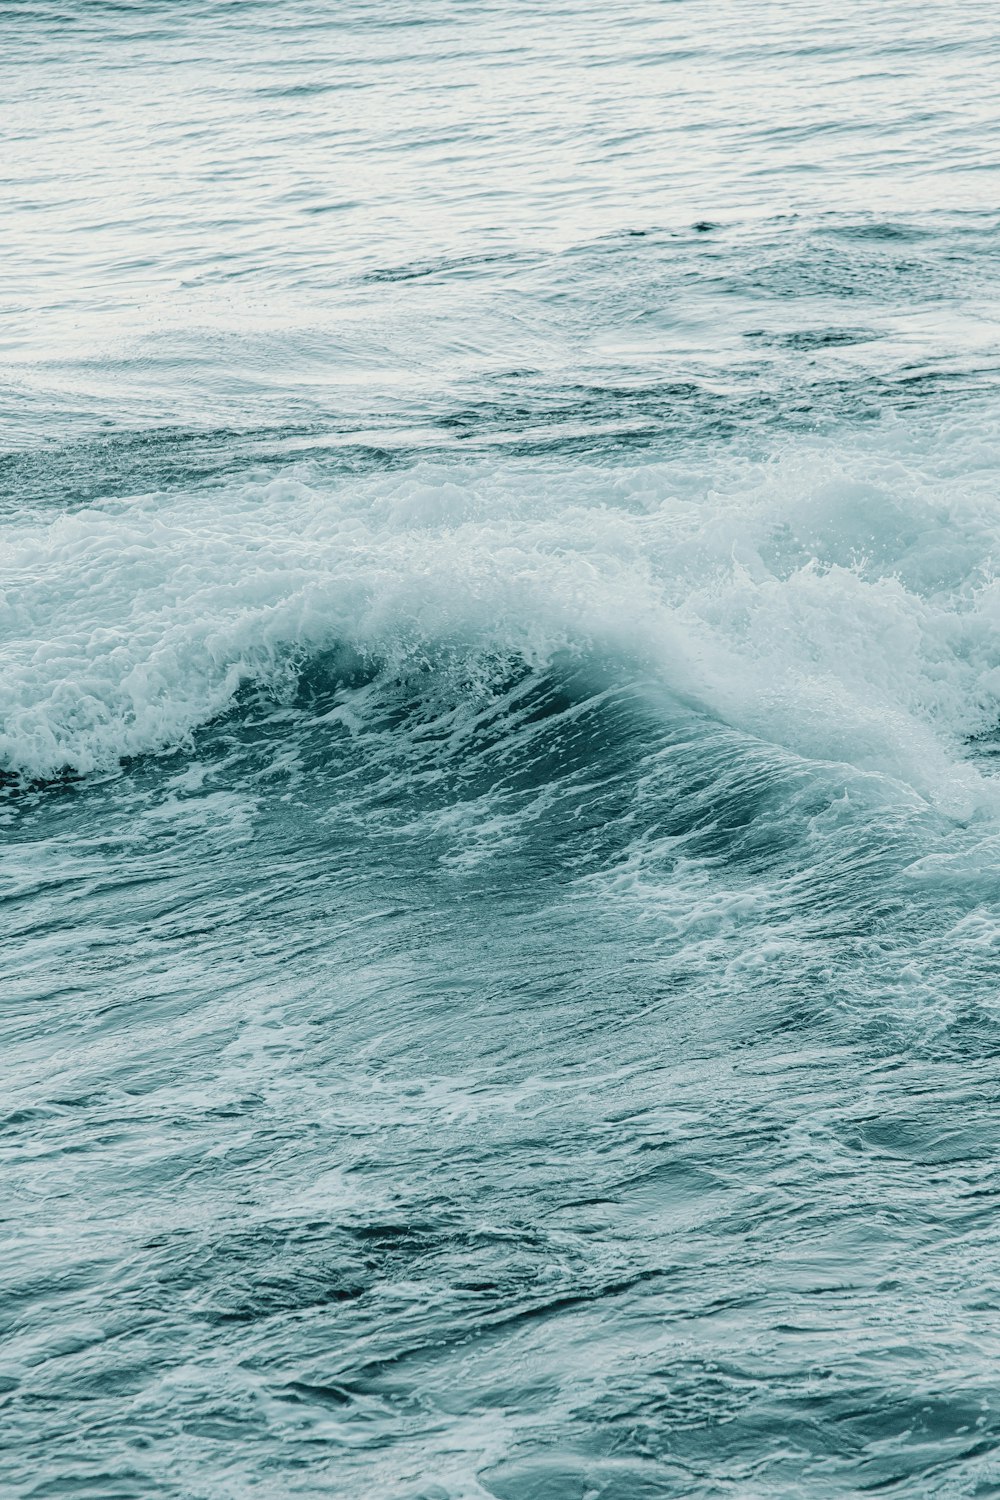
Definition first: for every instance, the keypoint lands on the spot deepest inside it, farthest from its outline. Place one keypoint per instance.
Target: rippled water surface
(499, 692)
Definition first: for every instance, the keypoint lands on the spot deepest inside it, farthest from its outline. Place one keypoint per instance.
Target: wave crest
(838, 600)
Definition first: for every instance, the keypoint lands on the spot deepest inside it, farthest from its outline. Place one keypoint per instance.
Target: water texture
(499, 703)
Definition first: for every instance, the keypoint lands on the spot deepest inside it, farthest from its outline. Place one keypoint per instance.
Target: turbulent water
(499, 702)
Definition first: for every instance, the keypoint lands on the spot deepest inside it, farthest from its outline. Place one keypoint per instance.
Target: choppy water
(499, 688)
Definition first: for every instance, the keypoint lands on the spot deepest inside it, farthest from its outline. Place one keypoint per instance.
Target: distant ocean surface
(499, 754)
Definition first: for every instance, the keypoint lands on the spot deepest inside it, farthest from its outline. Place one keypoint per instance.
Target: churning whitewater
(836, 598)
(499, 734)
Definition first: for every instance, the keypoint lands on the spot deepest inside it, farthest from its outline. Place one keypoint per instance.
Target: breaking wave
(837, 599)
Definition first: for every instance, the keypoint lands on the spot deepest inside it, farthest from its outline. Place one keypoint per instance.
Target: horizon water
(499, 705)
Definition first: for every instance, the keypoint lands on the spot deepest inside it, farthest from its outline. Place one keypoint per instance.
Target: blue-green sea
(499, 750)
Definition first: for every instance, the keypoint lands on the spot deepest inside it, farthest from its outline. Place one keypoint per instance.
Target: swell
(784, 323)
(516, 414)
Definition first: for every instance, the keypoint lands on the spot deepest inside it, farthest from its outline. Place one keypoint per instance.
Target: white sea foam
(838, 599)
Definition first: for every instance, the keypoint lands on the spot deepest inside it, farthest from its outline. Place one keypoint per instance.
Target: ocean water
(499, 703)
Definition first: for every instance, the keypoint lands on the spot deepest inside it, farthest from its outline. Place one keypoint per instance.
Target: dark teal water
(499, 687)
